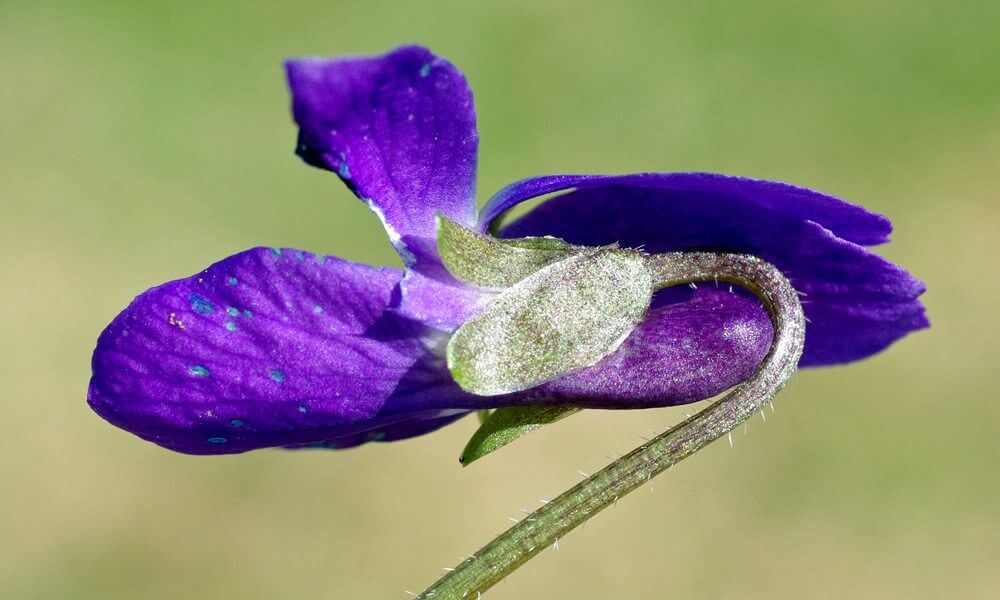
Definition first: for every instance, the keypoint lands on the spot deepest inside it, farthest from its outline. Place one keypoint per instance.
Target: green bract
(505, 425)
(495, 263)
(564, 317)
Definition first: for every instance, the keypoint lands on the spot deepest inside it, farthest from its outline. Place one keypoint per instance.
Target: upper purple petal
(848, 221)
(857, 302)
(399, 130)
(265, 348)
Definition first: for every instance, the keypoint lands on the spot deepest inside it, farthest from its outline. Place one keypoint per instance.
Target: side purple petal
(857, 302)
(399, 130)
(265, 348)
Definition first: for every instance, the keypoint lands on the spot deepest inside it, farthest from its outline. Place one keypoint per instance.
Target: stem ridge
(545, 526)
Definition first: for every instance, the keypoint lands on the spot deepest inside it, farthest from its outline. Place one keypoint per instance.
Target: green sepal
(495, 263)
(505, 425)
(565, 317)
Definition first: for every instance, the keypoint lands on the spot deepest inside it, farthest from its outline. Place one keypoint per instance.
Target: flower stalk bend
(553, 520)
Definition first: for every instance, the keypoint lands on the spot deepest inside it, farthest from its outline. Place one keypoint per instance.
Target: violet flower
(280, 347)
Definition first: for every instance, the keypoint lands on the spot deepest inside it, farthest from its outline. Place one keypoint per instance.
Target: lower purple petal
(265, 348)
(413, 426)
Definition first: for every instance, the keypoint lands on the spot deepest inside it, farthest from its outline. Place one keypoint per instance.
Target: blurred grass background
(139, 142)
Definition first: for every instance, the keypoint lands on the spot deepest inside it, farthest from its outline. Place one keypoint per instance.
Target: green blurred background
(142, 141)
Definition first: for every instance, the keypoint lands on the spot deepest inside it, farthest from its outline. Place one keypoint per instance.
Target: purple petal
(858, 303)
(399, 130)
(443, 303)
(265, 348)
(399, 430)
(848, 221)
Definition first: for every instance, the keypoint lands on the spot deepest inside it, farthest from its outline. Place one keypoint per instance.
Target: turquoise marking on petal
(216, 440)
(247, 314)
(317, 309)
(343, 170)
(199, 371)
(233, 281)
(276, 252)
(237, 422)
(201, 305)
(425, 70)
(277, 375)
(303, 408)
(230, 326)
(232, 311)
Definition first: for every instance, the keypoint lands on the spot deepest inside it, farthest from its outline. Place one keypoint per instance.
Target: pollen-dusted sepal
(494, 263)
(564, 317)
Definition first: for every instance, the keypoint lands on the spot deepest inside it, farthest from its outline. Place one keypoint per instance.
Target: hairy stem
(545, 526)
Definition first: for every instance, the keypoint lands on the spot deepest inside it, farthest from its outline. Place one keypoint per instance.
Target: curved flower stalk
(554, 519)
(277, 347)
